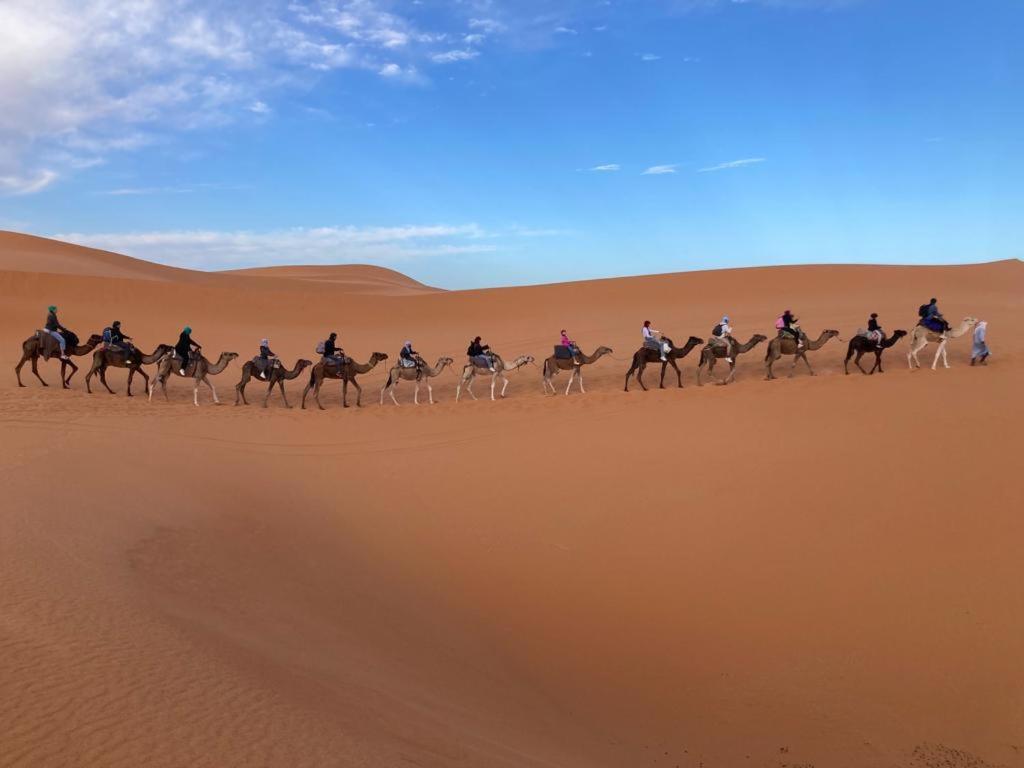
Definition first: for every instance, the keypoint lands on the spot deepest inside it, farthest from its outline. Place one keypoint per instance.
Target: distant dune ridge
(816, 571)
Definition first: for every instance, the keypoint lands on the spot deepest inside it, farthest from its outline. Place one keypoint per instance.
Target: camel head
(303, 364)
(445, 361)
(830, 333)
(377, 357)
(897, 335)
(758, 338)
(229, 356)
(95, 339)
(602, 351)
(693, 341)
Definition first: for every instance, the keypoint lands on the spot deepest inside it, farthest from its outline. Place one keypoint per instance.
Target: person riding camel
(117, 340)
(266, 360)
(480, 354)
(652, 340)
(875, 332)
(569, 344)
(409, 357)
(333, 354)
(183, 349)
(721, 334)
(56, 330)
(787, 324)
(931, 317)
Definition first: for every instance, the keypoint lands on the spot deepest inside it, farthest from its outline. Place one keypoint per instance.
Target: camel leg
(938, 353)
(359, 393)
(808, 364)
(504, 385)
(945, 360)
(582, 390)
(316, 395)
(344, 393)
(240, 389)
(679, 373)
(430, 393)
(572, 378)
(494, 379)
(857, 362)
(213, 390)
(35, 370)
(103, 380)
(640, 376)
(74, 370)
(415, 394)
(18, 367)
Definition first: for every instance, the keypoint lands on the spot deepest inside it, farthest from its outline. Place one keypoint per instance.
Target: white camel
(921, 336)
(472, 370)
(425, 374)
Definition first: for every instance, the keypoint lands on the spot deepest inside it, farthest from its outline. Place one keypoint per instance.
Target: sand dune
(351, 278)
(815, 571)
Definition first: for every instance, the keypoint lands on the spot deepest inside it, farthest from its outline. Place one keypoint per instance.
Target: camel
(921, 336)
(277, 376)
(787, 345)
(646, 355)
(105, 358)
(399, 372)
(198, 369)
(712, 352)
(42, 344)
(861, 345)
(553, 365)
(471, 370)
(347, 372)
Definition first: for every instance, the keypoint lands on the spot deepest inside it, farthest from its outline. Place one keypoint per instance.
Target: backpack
(922, 311)
(780, 323)
(108, 334)
(717, 330)
(321, 347)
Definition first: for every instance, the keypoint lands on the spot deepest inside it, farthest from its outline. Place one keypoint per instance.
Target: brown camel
(118, 358)
(471, 370)
(276, 378)
(861, 345)
(646, 355)
(787, 345)
(730, 350)
(42, 344)
(553, 365)
(347, 372)
(921, 336)
(198, 369)
(399, 372)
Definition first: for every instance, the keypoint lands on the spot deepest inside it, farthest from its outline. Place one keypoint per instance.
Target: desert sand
(818, 571)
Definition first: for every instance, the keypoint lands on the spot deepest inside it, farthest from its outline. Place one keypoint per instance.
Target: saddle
(562, 352)
(335, 363)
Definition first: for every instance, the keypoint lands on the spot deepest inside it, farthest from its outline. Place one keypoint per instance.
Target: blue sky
(490, 142)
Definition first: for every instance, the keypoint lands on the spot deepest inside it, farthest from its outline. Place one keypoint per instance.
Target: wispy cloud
(463, 54)
(27, 185)
(648, 56)
(732, 164)
(607, 167)
(566, 31)
(217, 249)
(658, 170)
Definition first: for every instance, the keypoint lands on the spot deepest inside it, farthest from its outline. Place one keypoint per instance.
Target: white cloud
(648, 57)
(215, 249)
(566, 31)
(659, 170)
(259, 108)
(608, 167)
(455, 55)
(732, 164)
(27, 185)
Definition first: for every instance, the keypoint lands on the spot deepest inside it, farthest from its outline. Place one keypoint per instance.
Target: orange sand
(815, 571)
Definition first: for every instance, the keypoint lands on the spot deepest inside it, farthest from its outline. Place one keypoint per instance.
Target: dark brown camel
(713, 352)
(117, 358)
(646, 355)
(553, 365)
(787, 345)
(861, 345)
(198, 369)
(277, 377)
(346, 372)
(42, 344)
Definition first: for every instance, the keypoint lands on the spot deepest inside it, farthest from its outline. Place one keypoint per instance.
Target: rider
(875, 332)
(266, 358)
(480, 354)
(652, 340)
(332, 352)
(120, 341)
(55, 329)
(722, 334)
(409, 357)
(787, 324)
(932, 318)
(574, 351)
(183, 349)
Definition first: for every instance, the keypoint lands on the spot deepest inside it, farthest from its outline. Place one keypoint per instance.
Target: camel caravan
(114, 349)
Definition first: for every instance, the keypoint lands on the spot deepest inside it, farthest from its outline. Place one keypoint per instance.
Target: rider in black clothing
(332, 352)
(184, 348)
(476, 349)
(875, 331)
